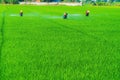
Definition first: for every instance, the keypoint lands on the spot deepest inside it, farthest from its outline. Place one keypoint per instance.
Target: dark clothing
(65, 15)
(87, 14)
(21, 13)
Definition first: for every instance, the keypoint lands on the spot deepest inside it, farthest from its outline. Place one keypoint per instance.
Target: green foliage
(116, 4)
(41, 45)
(11, 1)
(103, 4)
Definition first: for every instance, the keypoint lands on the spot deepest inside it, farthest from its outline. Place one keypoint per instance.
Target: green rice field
(41, 45)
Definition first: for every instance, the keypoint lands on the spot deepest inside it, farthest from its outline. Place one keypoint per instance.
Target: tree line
(84, 1)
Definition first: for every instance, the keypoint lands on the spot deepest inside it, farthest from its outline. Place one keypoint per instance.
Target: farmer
(87, 13)
(21, 13)
(65, 15)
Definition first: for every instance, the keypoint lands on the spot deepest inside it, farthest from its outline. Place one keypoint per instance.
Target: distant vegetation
(90, 2)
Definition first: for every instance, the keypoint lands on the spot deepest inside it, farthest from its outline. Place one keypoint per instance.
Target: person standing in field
(21, 13)
(65, 15)
(87, 12)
